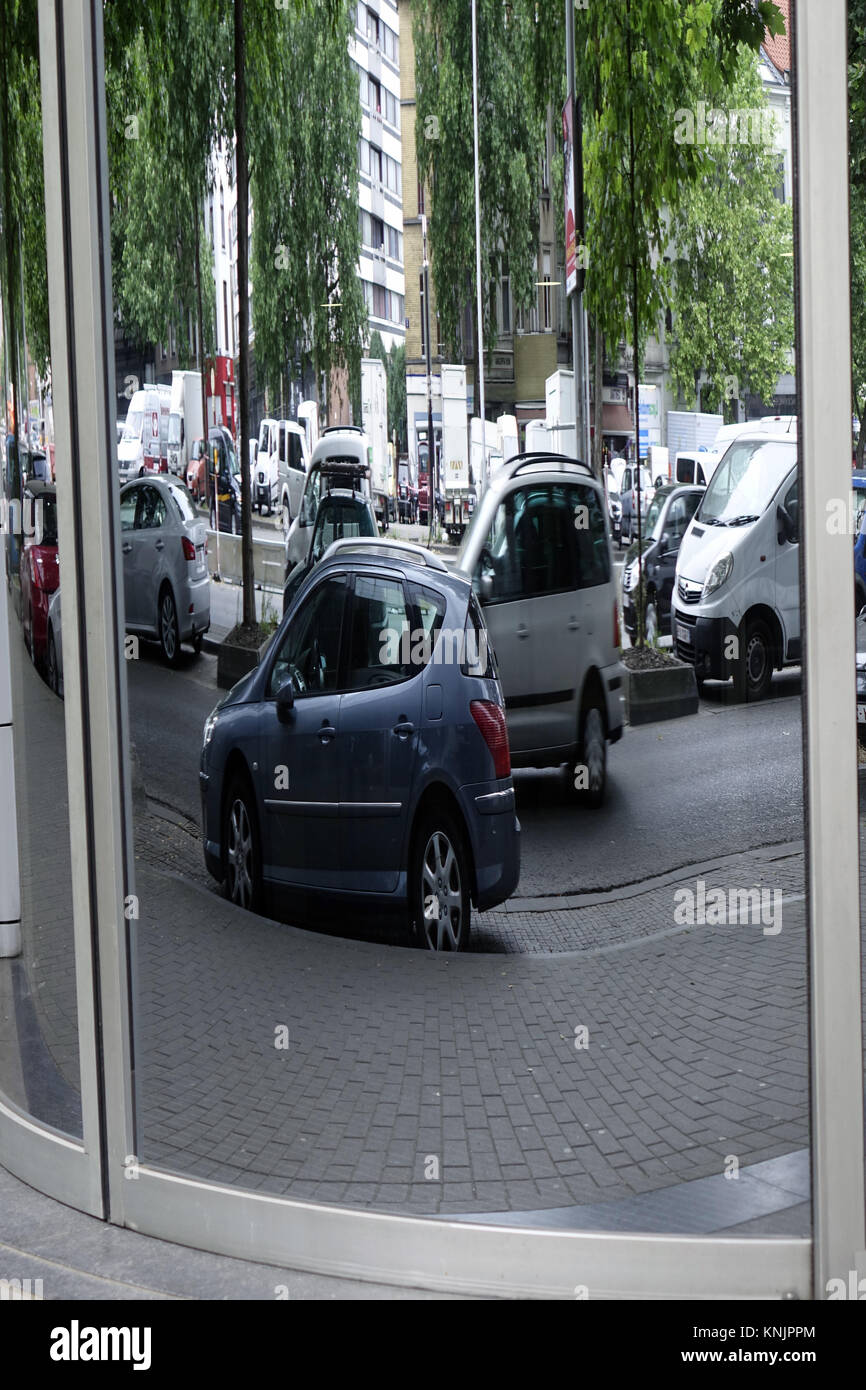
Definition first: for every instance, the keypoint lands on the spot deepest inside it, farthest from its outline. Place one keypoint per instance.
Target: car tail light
(617, 640)
(490, 719)
(188, 547)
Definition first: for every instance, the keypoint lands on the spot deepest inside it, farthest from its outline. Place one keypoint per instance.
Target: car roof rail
(387, 549)
(534, 457)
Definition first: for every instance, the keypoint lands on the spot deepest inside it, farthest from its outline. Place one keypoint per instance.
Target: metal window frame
(409, 1250)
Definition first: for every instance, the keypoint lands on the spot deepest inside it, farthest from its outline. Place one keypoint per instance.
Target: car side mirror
(285, 700)
(787, 529)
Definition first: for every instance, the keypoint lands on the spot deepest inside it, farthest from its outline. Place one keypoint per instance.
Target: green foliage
(732, 281)
(303, 148)
(510, 143)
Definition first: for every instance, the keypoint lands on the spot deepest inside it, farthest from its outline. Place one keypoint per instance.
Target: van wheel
(439, 884)
(753, 670)
(652, 622)
(242, 861)
(286, 518)
(588, 779)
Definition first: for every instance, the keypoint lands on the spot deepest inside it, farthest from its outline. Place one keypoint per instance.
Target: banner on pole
(570, 223)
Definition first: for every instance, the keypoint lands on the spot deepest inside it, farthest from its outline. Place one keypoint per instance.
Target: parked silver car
(537, 552)
(165, 574)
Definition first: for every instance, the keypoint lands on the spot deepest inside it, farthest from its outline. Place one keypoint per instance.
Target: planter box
(234, 662)
(669, 692)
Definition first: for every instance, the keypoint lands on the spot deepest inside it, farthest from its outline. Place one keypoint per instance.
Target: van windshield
(132, 428)
(746, 481)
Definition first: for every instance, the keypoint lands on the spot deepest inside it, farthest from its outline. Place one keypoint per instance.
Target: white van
(143, 447)
(696, 466)
(736, 600)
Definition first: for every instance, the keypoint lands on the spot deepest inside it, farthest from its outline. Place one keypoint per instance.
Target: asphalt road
(720, 782)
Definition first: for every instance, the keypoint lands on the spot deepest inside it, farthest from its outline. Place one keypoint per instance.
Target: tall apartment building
(376, 52)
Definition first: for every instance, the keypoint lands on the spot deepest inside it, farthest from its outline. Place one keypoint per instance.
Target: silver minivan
(166, 584)
(538, 554)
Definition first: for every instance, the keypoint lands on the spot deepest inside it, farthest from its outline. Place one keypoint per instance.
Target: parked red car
(38, 570)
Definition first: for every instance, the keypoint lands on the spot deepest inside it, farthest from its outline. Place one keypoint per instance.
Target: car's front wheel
(169, 632)
(441, 907)
(242, 862)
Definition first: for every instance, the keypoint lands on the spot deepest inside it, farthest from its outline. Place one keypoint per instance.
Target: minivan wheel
(169, 632)
(652, 622)
(242, 862)
(589, 789)
(439, 884)
(753, 670)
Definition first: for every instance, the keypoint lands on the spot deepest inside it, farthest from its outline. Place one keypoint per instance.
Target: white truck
(560, 417)
(185, 420)
(374, 418)
(690, 430)
(460, 495)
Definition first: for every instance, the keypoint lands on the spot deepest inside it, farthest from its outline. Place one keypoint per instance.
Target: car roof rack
(386, 549)
(533, 458)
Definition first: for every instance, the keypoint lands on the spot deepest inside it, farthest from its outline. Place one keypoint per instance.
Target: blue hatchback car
(365, 762)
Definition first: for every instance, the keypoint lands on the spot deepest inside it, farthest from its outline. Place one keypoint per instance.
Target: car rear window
(182, 499)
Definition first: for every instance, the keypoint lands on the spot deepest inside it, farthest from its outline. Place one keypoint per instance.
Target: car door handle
(327, 732)
(127, 547)
(160, 545)
(403, 729)
(522, 631)
(573, 625)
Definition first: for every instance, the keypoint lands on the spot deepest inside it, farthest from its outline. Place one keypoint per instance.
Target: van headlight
(720, 572)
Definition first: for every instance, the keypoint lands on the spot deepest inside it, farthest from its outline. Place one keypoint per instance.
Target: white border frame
(407, 1250)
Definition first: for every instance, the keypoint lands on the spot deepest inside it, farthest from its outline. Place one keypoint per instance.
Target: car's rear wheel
(753, 669)
(439, 888)
(169, 632)
(286, 518)
(242, 861)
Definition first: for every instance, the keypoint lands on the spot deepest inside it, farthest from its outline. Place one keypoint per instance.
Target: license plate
(861, 714)
(684, 633)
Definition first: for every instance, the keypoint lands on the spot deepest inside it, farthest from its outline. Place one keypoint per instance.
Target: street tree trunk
(249, 608)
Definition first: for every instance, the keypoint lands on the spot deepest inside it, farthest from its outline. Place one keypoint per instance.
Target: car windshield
(746, 481)
(132, 428)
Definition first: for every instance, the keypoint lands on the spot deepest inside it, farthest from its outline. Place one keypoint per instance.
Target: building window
(210, 211)
(223, 217)
(377, 234)
(420, 197)
(375, 164)
(226, 315)
(375, 96)
(372, 28)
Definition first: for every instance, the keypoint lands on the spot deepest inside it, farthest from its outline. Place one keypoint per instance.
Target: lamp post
(431, 445)
(481, 405)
